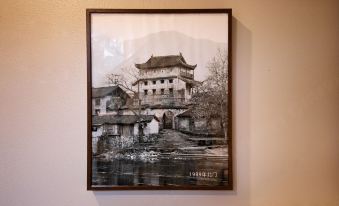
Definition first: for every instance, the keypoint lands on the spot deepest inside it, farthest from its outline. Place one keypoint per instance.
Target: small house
(185, 122)
(106, 99)
(124, 125)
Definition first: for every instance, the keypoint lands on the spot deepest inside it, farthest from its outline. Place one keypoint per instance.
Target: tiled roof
(165, 61)
(190, 81)
(121, 119)
(103, 91)
(187, 113)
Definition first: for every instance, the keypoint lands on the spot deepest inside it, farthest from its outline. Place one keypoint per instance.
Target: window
(162, 81)
(97, 101)
(146, 83)
(154, 82)
(171, 81)
(154, 91)
(171, 91)
(145, 91)
(162, 91)
(94, 129)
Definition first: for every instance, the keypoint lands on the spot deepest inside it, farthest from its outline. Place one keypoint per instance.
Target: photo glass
(159, 99)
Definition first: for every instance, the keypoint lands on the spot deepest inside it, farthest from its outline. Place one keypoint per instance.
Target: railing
(166, 99)
(163, 100)
(187, 75)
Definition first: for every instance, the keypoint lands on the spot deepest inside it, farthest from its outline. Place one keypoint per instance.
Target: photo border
(89, 12)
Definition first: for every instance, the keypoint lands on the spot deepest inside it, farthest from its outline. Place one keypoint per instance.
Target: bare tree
(211, 95)
(126, 81)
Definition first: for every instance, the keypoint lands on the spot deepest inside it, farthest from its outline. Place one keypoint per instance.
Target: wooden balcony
(186, 75)
(163, 100)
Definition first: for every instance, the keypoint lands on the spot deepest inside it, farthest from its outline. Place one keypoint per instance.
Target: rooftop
(187, 113)
(121, 119)
(190, 81)
(165, 61)
(100, 92)
(103, 91)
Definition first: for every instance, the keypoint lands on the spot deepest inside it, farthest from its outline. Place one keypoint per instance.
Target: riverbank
(170, 144)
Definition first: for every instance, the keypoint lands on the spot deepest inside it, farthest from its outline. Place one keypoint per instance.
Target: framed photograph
(159, 99)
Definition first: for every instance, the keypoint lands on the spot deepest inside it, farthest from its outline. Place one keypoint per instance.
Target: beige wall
(286, 97)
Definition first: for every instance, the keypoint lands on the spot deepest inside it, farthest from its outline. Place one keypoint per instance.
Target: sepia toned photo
(159, 101)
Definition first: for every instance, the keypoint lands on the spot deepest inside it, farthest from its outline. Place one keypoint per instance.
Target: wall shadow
(242, 73)
(241, 101)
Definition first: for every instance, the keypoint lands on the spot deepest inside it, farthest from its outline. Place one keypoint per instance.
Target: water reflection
(209, 171)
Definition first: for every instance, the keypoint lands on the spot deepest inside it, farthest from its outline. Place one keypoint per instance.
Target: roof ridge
(104, 87)
(171, 55)
(165, 61)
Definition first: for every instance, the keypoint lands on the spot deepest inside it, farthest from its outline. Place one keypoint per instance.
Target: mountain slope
(111, 56)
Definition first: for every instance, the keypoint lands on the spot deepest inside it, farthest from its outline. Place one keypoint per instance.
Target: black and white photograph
(159, 99)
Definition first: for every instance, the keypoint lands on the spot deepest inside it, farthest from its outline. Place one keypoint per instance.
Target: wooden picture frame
(170, 128)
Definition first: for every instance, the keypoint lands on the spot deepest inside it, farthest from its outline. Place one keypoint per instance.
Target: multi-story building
(164, 85)
(165, 80)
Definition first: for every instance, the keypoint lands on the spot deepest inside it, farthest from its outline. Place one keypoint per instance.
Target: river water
(197, 171)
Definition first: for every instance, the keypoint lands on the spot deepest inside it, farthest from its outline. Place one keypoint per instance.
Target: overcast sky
(110, 33)
(131, 26)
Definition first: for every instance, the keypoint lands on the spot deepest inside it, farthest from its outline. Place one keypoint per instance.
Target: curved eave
(191, 67)
(190, 81)
(143, 66)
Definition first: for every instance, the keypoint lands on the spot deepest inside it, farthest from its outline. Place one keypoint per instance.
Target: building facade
(165, 80)
(164, 86)
(121, 129)
(106, 99)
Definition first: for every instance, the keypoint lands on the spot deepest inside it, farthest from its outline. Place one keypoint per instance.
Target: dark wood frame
(89, 98)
